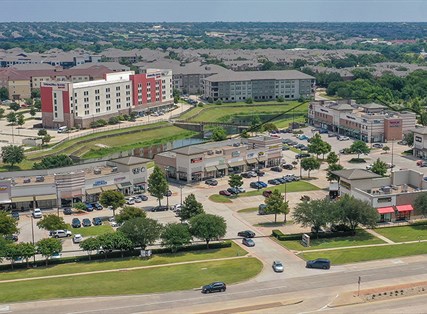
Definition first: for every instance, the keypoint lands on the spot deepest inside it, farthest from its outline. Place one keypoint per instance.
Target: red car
(266, 193)
(225, 193)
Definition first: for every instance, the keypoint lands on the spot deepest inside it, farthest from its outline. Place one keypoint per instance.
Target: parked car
(168, 193)
(331, 135)
(377, 145)
(343, 138)
(11, 237)
(143, 197)
(273, 182)
(15, 215)
(321, 263)
(402, 142)
(303, 148)
(278, 266)
(130, 201)
(214, 287)
(137, 200)
(302, 155)
(96, 221)
(61, 234)
(340, 228)
(67, 211)
(248, 242)
(261, 209)
(246, 175)
(56, 256)
(159, 208)
(285, 147)
(299, 146)
(288, 166)
(224, 192)
(267, 193)
(89, 207)
(86, 222)
(259, 173)
(75, 223)
(97, 206)
(263, 184)
(246, 234)
(77, 238)
(281, 180)
(233, 190)
(255, 185)
(37, 213)
(323, 131)
(276, 169)
(211, 182)
(241, 190)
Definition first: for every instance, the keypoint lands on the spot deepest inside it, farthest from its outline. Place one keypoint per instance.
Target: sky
(213, 10)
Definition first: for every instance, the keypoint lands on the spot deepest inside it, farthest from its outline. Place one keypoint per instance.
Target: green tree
(333, 167)
(55, 161)
(409, 138)
(218, 134)
(89, 245)
(175, 236)
(42, 132)
(35, 93)
(4, 93)
(27, 250)
(315, 214)
(420, 204)
(2, 113)
(309, 164)
(33, 111)
(318, 146)
(80, 206)
(276, 204)
(256, 124)
(359, 147)
(8, 225)
(130, 212)
(235, 181)
(121, 242)
(11, 253)
(386, 149)
(49, 246)
(270, 126)
(280, 99)
(249, 100)
(106, 242)
(46, 139)
(38, 104)
(379, 167)
(141, 231)
(14, 106)
(157, 184)
(115, 199)
(52, 222)
(11, 117)
(190, 208)
(354, 212)
(208, 227)
(332, 158)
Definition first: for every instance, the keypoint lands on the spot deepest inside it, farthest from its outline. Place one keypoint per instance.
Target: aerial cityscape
(270, 154)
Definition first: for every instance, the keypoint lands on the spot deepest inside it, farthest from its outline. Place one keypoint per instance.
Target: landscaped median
(412, 232)
(119, 278)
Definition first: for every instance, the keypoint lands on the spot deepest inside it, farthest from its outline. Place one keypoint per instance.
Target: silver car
(278, 266)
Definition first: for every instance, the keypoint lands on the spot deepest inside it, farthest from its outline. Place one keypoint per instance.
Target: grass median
(111, 264)
(346, 256)
(163, 279)
(92, 231)
(220, 198)
(404, 233)
(248, 210)
(298, 186)
(361, 238)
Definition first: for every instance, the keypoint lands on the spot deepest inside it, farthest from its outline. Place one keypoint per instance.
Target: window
(107, 90)
(108, 102)
(127, 86)
(119, 106)
(117, 94)
(108, 108)
(98, 110)
(96, 97)
(107, 96)
(117, 88)
(97, 91)
(86, 93)
(86, 112)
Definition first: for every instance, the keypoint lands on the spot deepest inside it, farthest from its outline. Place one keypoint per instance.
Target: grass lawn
(71, 268)
(248, 210)
(164, 279)
(298, 186)
(361, 238)
(220, 198)
(368, 254)
(404, 233)
(92, 231)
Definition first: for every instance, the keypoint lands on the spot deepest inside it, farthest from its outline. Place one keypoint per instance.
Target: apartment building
(79, 104)
(258, 85)
(367, 122)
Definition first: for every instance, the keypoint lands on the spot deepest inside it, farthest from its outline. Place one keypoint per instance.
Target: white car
(177, 207)
(61, 233)
(344, 138)
(241, 190)
(77, 238)
(278, 266)
(37, 213)
(56, 255)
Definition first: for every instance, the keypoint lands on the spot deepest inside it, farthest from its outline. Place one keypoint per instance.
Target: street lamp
(180, 187)
(167, 180)
(32, 234)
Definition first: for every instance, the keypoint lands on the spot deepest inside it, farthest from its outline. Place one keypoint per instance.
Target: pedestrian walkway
(376, 234)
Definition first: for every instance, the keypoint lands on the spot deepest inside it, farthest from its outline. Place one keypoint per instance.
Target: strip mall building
(79, 104)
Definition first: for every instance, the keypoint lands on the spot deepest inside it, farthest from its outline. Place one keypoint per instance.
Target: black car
(281, 180)
(321, 263)
(86, 222)
(302, 155)
(15, 215)
(96, 221)
(246, 175)
(276, 169)
(260, 173)
(168, 193)
(159, 209)
(288, 166)
(233, 190)
(211, 182)
(75, 223)
(68, 211)
(143, 197)
(273, 182)
(246, 234)
(11, 237)
(214, 287)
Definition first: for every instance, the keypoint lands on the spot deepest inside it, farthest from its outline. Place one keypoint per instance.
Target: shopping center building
(367, 122)
(212, 160)
(61, 187)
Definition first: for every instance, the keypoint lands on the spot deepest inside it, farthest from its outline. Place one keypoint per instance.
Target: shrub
(54, 161)
(218, 102)
(357, 160)
(101, 122)
(113, 120)
(200, 104)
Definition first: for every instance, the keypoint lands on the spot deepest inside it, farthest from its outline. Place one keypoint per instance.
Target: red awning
(404, 208)
(385, 210)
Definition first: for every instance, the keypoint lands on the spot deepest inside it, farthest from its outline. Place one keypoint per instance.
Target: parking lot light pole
(167, 180)
(32, 235)
(180, 187)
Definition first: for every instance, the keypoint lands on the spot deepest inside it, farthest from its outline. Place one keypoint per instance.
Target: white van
(37, 213)
(62, 129)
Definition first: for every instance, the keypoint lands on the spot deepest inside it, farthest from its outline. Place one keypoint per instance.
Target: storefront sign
(235, 154)
(99, 183)
(3, 188)
(119, 179)
(394, 123)
(418, 139)
(196, 160)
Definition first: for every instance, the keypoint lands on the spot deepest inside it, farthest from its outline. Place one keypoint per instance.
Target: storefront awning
(221, 167)
(93, 191)
(236, 163)
(124, 185)
(109, 187)
(22, 199)
(251, 161)
(210, 168)
(385, 210)
(404, 208)
(262, 158)
(47, 197)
